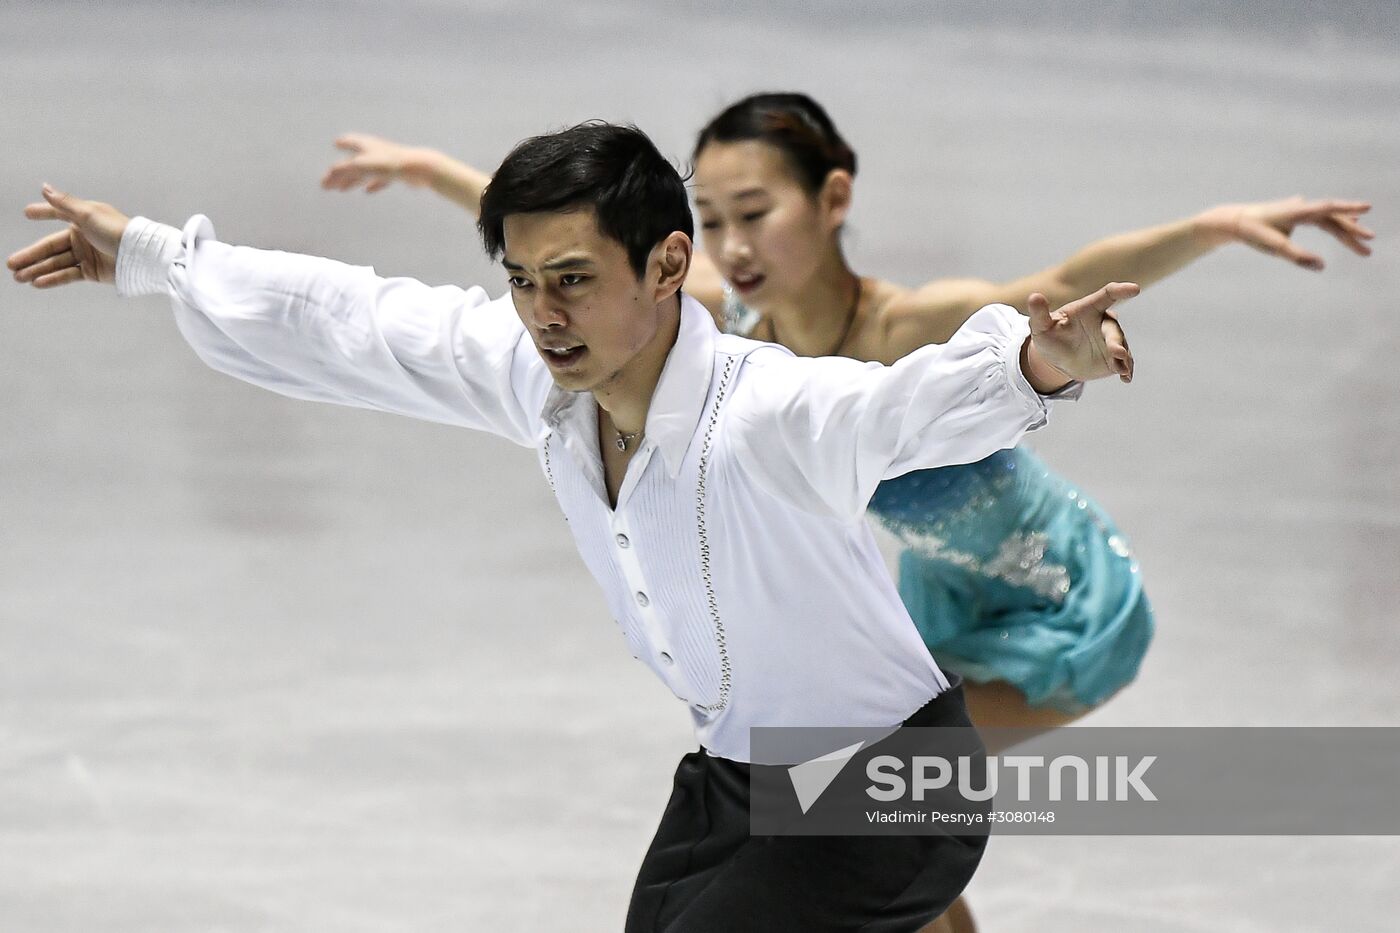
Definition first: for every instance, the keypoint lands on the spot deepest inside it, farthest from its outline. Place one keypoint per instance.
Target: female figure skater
(1016, 579)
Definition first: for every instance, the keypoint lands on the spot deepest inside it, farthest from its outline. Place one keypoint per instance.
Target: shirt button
(622, 541)
(642, 599)
(665, 658)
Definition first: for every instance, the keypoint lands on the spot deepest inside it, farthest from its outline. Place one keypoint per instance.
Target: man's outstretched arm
(303, 326)
(823, 432)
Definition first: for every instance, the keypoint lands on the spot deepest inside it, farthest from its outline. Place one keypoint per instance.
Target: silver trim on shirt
(710, 600)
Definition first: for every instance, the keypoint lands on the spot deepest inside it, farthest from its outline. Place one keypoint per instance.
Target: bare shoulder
(931, 313)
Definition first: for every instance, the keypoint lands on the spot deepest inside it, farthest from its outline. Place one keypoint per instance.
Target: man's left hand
(1078, 341)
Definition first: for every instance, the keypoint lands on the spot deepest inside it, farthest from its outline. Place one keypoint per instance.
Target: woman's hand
(376, 163)
(1267, 226)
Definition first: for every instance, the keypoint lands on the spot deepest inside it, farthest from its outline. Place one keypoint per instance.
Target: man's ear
(670, 262)
(835, 198)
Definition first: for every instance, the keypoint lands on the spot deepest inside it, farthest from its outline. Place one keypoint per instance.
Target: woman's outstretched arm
(375, 163)
(934, 312)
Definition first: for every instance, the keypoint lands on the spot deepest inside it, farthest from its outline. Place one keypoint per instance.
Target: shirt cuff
(1069, 393)
(1039, 411)
(144, 256)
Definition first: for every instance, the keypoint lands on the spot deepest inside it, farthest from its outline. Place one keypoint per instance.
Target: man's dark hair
(638, 197)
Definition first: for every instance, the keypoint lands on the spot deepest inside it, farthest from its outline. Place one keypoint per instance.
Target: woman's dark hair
(795, 124)
(638, 197)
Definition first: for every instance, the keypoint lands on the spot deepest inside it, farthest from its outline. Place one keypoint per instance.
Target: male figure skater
(715, 486)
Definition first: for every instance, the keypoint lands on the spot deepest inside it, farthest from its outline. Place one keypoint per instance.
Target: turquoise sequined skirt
(1012, 574)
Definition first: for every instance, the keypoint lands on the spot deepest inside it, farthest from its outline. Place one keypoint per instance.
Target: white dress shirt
(737, 563)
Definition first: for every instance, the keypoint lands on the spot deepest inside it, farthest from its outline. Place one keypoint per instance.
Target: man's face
(578, 297)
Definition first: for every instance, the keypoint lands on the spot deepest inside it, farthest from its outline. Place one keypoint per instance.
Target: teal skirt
(1012, 574)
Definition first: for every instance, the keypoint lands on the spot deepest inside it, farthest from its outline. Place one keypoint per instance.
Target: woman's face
(766, 232)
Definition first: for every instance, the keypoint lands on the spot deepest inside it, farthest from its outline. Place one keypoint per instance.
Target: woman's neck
(818, 319)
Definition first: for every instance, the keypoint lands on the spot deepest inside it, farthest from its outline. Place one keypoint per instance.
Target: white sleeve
(322, 330)
(822, 433)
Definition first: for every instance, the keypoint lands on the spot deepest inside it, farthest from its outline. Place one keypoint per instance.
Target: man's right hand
(85, 252)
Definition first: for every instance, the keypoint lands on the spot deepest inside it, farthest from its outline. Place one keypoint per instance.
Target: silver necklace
(624, 439)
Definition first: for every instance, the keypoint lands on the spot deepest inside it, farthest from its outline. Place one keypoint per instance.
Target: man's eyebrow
(568, 262)
(563, 262)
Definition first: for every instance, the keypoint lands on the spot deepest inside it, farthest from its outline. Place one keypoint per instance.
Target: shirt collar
(680, 393)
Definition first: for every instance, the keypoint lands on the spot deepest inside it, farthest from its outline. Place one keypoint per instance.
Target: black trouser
(704, 873)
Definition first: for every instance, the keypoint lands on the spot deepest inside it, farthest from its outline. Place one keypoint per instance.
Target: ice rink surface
(273, 666)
